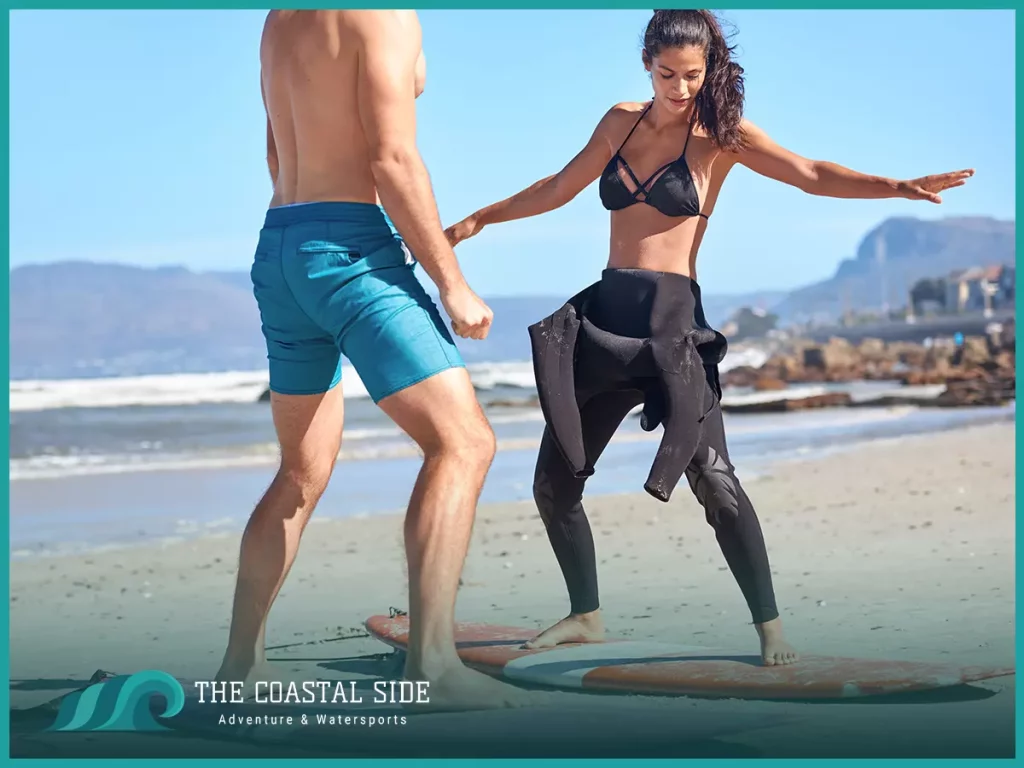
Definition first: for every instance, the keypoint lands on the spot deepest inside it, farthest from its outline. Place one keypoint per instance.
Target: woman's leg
(559, 497)
(713, 480)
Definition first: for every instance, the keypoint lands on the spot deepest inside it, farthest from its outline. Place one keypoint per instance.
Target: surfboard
(647, 667)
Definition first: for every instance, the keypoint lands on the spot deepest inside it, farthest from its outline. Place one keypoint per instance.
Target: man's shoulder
(375, 23)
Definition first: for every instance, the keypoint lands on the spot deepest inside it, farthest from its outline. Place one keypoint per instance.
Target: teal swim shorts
(334, 279)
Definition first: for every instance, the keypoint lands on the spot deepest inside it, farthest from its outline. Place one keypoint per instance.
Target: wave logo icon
(120, 704)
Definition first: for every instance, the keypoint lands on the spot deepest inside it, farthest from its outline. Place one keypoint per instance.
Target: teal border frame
(445, 5)
(474, 5)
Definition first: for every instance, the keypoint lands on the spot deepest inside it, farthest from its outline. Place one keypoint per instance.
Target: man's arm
(386, 98)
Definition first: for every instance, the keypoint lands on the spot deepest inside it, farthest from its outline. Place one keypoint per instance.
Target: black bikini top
(673, 192)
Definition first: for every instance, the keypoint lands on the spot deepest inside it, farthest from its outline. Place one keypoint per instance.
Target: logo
(120, 703)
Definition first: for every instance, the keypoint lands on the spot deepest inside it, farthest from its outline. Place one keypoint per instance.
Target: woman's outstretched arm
(762, 155)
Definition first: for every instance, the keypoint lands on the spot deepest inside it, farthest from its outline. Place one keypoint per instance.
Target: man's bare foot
(574, 628)
(775, 651)
(456, 688)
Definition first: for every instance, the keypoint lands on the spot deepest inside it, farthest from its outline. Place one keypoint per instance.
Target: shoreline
(220, 497)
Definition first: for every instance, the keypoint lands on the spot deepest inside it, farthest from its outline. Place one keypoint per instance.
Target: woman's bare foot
(574, 628)
(454, 687)
(775, 651)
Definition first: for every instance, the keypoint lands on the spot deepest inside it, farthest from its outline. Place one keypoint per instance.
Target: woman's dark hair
(720, 100)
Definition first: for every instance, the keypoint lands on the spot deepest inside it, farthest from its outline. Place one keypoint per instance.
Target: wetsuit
(639, 337)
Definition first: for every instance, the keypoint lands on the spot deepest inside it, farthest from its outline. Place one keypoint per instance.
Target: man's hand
(471, 317)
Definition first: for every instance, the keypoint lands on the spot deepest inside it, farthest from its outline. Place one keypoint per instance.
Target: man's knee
(305, 478)
(479, 444)
(469, 439)
(442, 415)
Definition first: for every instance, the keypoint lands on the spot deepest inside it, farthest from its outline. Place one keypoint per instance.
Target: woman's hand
(928, 187)
(464, 230)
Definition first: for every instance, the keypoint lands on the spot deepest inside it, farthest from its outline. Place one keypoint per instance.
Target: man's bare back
(316, 144)
(340, 89)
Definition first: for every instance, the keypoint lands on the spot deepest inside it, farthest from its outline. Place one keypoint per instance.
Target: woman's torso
(642, 236)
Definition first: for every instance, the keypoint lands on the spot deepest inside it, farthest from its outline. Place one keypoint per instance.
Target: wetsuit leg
(713, 481)
(559, 495)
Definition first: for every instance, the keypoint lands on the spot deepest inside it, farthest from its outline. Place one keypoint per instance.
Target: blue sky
(138, 137)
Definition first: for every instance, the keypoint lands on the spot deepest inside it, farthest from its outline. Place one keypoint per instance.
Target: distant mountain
(896, 254)
(86, 319)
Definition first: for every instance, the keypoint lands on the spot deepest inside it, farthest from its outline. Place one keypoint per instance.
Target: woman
(648, 303)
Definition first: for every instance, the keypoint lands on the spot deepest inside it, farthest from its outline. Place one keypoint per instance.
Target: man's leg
(396, 340)
(443, 416)
(309, 431)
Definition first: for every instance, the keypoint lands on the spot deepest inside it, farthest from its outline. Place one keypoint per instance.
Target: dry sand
(898, 549)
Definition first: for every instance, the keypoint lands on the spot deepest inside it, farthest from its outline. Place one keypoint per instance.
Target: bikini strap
(689, 131)
(634, 126)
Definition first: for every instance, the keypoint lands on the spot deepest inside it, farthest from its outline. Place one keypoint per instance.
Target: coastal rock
(874, 350)
(891, 401)
(769, 384)
(1005, 361)
(981, 391)
(743, 376)
(914, 356)
(990, 358)
(975, 352)
(840, 354)
(922, 378)
(783, 405)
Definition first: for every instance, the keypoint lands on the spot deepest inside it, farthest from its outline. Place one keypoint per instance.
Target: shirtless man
(332, 274)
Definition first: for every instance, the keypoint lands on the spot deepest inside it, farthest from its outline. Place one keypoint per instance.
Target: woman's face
(677, 74)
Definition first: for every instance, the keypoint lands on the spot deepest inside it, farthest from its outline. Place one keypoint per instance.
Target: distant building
(964, 291)
(981, 289)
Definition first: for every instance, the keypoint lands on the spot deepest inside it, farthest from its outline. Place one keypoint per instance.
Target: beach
(899, 548)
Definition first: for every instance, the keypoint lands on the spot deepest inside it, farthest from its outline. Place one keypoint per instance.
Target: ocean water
(60, 428)
(103, 462)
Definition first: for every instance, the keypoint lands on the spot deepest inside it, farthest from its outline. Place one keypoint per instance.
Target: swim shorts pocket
(331, 254)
